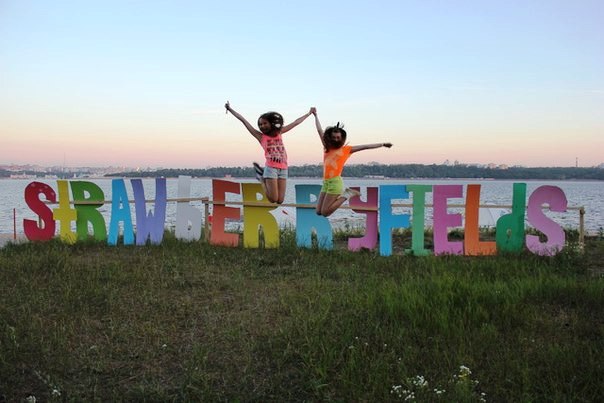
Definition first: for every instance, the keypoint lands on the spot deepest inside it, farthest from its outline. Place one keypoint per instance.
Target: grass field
(194, 322)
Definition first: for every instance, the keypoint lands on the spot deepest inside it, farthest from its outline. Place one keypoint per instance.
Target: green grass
(194, 322)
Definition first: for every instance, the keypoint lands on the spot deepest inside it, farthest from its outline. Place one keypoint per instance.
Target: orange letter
(472, 244)
(222, 212)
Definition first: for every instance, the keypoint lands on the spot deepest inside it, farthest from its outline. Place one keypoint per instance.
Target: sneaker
(259, 171)
(348, 193)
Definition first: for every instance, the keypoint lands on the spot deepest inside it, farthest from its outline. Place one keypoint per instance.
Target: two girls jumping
(335, 154)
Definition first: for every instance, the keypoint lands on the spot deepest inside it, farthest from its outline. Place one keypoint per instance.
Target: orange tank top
(334, 160)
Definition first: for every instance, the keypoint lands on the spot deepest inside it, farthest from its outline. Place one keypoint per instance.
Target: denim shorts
(274, 173)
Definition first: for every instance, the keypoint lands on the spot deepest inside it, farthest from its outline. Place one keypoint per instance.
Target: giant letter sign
(307, 219)
(388, 220)
(120, 212)
(64, 213)
(255, 217)
(88, 212)
(150, 225)
(556, 238)
(30, 227)
(188, 218)
(443, 220)
(472, 243)
(418, 241)
(509, 235)
(222, 212)
(368, 241)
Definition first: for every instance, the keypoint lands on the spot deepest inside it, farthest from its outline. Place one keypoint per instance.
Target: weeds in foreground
(186, 321)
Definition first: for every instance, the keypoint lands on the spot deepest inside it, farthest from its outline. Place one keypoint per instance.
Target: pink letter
(443, 220)
(371, 233)
(555, 197)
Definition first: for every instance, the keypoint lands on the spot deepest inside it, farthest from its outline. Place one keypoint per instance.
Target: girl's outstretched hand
(387, 145)
(313, 110)
(227, 106)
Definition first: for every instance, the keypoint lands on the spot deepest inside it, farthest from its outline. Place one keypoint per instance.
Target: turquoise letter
(307, 219)
(389, 221)
(120, 211)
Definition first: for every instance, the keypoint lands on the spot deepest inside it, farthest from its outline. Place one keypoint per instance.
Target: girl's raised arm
(362, 147)
(296, 122)
(318, 125)
(256, 133)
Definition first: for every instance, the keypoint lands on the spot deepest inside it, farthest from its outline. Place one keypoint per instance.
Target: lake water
(589, 194)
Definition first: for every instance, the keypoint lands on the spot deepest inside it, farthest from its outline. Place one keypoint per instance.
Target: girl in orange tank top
(336, 153)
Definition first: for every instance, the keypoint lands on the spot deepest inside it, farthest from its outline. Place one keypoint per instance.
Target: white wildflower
(396, 389)
(464, 371)
(419, 381)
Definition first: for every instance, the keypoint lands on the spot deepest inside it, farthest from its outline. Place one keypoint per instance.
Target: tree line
(402, 171)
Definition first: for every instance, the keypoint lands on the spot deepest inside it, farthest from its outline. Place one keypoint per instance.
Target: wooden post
(582, 227)
(206, 223)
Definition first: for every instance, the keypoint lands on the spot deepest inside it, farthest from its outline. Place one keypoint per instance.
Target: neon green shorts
(333, 186)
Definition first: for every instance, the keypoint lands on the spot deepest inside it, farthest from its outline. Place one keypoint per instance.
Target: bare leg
(331, 203)
(281, 186)
(264, 189)
(271, 188)
(320, 203)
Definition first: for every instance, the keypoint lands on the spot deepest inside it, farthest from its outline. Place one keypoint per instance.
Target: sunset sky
(143, 83)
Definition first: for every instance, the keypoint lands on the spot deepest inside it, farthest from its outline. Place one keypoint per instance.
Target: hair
(276, 121)
(330, 144)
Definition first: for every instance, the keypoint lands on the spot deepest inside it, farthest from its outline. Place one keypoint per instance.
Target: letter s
(32, 231)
